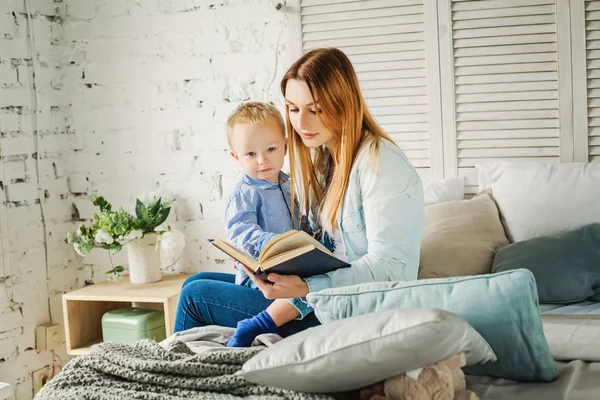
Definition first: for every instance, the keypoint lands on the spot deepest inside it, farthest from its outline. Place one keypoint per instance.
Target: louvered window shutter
(385, 40)
(592, 33)
(461, 81)
(504, 58)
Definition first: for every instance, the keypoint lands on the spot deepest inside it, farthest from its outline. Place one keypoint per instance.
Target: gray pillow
(566, 266)
(355, 352)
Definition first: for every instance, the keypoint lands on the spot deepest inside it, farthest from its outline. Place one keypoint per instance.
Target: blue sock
(250, 328)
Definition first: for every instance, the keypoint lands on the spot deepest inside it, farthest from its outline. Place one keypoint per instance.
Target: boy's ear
(285, 147)
(232, 154)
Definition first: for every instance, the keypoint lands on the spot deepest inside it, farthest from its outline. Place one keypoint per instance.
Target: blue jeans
(212, 298)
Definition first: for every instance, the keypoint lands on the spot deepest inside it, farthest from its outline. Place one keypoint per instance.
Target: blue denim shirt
(257, 211)
(381, 221)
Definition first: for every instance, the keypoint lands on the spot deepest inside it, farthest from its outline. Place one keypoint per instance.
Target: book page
(288, 255)
(266, 248)
(236, 254)
(288, 242)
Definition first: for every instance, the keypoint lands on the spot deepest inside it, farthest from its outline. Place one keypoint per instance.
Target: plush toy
(442, 381)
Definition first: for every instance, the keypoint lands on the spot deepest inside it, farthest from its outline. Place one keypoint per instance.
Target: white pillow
(444, 190)
(355, 352)
(542, 198)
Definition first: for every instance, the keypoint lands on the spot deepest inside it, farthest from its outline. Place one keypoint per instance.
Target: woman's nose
(303, 122)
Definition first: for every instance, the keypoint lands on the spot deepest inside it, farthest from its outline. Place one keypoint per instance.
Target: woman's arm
(393, 207)
(279, 286)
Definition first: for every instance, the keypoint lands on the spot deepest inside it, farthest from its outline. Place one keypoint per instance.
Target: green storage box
(128, 325)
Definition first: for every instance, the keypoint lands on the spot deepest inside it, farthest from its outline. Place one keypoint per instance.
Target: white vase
(144, 259)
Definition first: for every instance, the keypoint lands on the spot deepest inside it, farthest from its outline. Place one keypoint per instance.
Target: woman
(352, 180)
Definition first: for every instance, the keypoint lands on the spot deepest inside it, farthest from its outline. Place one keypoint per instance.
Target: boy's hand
(279, 286)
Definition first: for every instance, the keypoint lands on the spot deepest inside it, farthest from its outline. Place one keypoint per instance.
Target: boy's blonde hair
(253, 112)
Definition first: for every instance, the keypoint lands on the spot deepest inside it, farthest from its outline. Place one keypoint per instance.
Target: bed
(196, 365)
(573, 334)
(152, 371)
(573, 331)
(578, 380)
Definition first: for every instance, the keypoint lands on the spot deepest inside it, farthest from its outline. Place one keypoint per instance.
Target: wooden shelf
(85, 348)
(83, 308)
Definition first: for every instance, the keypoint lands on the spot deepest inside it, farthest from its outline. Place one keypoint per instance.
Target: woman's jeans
(212, 298)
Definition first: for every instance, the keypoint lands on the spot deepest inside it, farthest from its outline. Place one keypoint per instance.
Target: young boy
(259, 207)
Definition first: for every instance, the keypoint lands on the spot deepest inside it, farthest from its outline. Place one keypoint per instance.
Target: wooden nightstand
(83, 308)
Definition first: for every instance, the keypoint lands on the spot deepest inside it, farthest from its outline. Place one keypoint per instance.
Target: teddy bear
(441, 381)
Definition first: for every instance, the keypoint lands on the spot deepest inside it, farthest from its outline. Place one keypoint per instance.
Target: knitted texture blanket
(146, 370)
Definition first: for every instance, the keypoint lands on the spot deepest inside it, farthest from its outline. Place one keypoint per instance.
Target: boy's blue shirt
(257, 211)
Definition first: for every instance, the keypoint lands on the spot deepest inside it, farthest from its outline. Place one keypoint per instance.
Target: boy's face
(260, 149)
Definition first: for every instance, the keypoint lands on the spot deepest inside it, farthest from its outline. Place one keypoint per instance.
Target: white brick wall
(27, 297)
(133, 97)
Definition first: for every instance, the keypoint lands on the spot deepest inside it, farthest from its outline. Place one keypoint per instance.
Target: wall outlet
(41, 377)
(48, 336)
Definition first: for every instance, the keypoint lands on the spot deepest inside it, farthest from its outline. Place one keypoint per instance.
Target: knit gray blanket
(146, 370)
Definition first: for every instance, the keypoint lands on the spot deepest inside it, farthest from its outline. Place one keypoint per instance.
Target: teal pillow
(502, 307)
(566, 266)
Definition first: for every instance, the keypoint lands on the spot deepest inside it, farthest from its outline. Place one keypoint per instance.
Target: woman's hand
(279, 286)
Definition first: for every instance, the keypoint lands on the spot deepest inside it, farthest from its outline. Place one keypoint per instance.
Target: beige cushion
(460, 237)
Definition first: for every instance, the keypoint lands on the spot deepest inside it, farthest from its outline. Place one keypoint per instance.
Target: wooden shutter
(592, 33)
(385, 40)
(505, 83)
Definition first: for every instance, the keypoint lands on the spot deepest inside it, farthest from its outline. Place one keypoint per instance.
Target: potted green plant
(142, 233)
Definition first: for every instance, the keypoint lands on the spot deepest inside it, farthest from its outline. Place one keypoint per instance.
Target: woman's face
(303, 111)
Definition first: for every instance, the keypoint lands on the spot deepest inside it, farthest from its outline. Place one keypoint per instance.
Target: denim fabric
(381, 220)
(257, 211)
(212, 298)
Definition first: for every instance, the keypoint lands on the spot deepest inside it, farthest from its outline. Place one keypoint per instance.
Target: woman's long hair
(333, 83)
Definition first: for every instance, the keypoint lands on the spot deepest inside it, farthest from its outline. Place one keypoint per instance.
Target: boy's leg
(278, 313)
(282, 311)
(298, 325)
(213, 299)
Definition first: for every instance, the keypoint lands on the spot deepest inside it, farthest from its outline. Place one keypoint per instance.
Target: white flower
(172, 243)
(134, 234)
(103, 237)
(80, 250)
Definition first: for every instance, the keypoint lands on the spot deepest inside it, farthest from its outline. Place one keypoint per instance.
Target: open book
(291, 253)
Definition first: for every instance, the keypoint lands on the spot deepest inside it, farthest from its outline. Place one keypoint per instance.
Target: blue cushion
(502, 307)
(566, 266)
